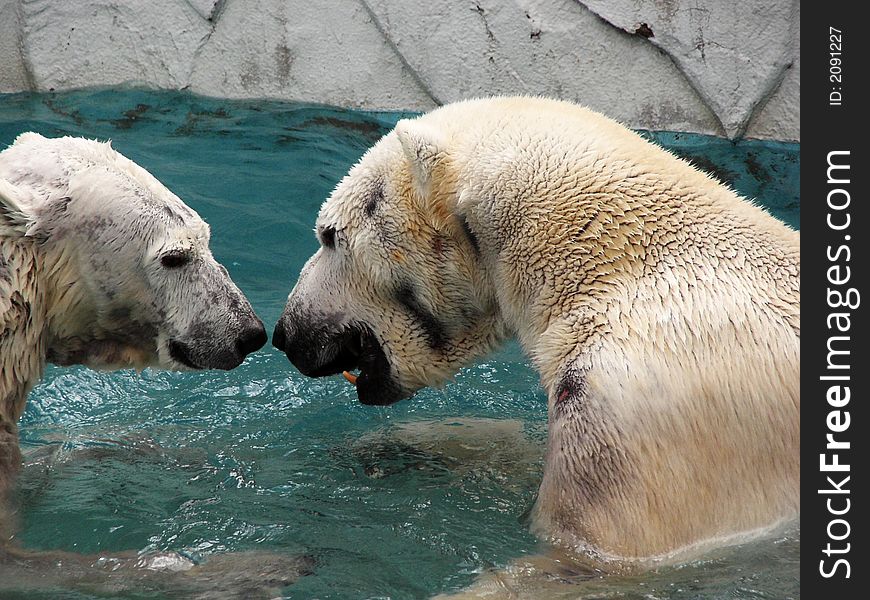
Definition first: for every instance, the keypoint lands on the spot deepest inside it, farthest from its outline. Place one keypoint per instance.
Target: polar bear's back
(561, 131)
(678, 298)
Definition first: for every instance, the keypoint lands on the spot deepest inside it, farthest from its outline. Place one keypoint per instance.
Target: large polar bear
(661, 309)
(101, 265)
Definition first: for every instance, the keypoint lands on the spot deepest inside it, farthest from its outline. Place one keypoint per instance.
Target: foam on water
(262, 458)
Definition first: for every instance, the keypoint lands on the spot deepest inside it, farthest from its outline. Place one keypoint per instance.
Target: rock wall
(730, 68)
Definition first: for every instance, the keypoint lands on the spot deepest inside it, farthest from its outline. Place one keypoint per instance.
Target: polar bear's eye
(174, 259)
(327, 237)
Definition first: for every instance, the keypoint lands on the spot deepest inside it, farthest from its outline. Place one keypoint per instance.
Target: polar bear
(661, 309)
(101, 265)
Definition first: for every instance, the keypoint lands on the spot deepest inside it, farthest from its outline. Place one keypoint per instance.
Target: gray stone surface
(549, 47)
(324, 51)
(109, 42)
(781, 113)
(207, 9)
(709, 66)
(733, 53)
(13, 74)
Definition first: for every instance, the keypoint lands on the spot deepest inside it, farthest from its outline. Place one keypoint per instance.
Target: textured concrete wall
(729, 68)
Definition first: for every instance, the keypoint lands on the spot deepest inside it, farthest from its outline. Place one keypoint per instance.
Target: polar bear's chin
(125, 357)
(181, 354)
(103, 355)
(373, 390)
(375, 384)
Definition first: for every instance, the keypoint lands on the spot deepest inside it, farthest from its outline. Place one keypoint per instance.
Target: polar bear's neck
(22, 324)
(552, 282)
(70, 318)
(39, 293)
(568, 261)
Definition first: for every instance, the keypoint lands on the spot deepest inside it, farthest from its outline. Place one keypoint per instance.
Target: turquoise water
(261, 458)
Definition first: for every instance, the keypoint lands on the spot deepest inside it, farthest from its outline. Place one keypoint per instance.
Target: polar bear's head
(123, 264)
(396, 289)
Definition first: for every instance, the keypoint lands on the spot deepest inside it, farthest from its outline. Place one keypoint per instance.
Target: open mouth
(374, 382)
(346, 351)
(180, 353)
(358, 349)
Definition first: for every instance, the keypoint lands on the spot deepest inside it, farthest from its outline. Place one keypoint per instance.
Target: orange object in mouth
(350, 377)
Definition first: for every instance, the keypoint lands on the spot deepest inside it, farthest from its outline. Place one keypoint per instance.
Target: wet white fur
(81, 232)
(673, 300)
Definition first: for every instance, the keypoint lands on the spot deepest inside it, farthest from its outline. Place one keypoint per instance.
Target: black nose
(279, 337)
(251, 340)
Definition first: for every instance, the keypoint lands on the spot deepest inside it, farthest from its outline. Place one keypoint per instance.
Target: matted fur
(84, 276)
(661, 309)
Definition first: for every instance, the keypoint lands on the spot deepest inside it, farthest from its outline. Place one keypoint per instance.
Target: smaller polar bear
(660, 308)
(101, 265)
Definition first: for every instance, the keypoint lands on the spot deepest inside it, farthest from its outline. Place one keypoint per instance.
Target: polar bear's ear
(425, 149)
(27, 137)
(15, 215)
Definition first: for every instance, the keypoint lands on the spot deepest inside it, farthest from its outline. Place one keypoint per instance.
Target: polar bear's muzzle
(332, 349)
(203, 353)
